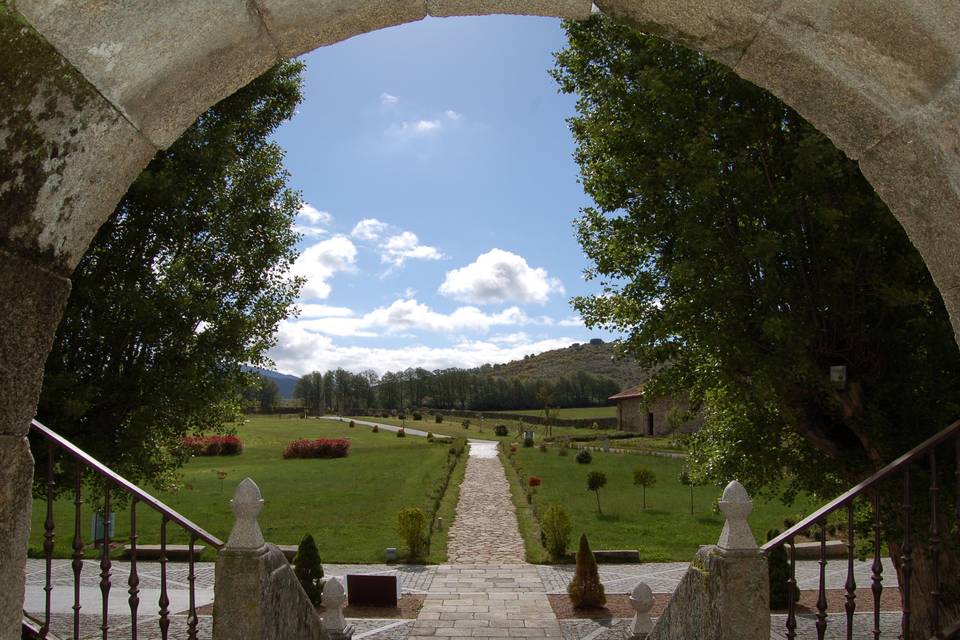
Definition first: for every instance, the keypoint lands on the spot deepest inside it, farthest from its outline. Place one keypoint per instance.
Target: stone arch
(89, 90)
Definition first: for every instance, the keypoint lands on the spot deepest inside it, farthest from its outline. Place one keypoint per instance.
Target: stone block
(16, 478)
(33, 301)
(299, 26)
(68, 154)
(722, 30)
(855, 69)
(916, 170)
(161, 62)
(573, 9)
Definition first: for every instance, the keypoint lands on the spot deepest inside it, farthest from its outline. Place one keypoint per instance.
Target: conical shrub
(586, 590)
(309, 569)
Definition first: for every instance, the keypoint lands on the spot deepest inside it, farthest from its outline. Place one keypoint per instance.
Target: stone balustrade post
(725, 594)
(642, 601)
(257, 595)
(334, 600)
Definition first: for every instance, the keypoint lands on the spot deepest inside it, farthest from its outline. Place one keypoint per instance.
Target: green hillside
(598, 359)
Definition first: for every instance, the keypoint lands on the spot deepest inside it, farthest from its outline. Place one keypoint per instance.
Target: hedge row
(320, 448)
(212, 445)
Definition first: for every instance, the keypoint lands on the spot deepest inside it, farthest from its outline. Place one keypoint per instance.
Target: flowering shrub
(533, 481)
(320, 448)
(212, 445)
(513, 448)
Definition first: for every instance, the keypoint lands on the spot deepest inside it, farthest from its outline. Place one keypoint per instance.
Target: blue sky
(435, 163)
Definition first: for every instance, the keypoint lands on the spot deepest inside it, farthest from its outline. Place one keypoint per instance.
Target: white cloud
(407, 315)
(499, 276)
(572, 321)
(387, 99)
(310, 232)
(452, 115)
(319, 262)
(397, 249)
(421, 127)
(300, 350)
(323, 311)
(369, 229)
(313, 217)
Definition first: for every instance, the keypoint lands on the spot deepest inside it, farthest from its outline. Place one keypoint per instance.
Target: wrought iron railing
(63, 452)
(924, 455)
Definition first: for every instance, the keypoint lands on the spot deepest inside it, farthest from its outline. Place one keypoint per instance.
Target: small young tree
(685, 480)
(309, 569)
(586, 590)
(644, 477)
(595, 481)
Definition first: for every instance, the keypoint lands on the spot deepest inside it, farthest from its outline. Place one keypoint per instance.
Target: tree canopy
(742, 255)
(182, 287)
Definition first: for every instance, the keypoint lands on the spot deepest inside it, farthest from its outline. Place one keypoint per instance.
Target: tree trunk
(922, 610)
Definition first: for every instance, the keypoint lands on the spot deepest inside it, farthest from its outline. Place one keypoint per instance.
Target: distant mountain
(596, 357)
(285, 382)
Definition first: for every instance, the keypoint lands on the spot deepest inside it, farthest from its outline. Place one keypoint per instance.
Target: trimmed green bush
(401, 433)
(438, 417)
(309, 569)
(586, 590)
(584, 456)
(500, 430)
(555, 531)
(778, 565)
(412, 527)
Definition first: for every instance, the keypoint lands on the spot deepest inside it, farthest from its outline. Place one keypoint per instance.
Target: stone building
(633, 414)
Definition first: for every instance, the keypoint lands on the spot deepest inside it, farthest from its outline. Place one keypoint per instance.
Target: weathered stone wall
(89, 91)
(632, 414)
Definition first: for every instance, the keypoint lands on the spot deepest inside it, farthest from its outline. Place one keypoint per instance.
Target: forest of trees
(470, 389)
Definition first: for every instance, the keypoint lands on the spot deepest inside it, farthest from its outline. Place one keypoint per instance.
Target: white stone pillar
(257, 595)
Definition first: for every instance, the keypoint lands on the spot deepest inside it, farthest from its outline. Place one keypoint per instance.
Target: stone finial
(642, 601)
(246, 505)
(736, 505)
(334, 599)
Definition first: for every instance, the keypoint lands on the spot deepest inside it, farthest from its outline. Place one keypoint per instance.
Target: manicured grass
(349, 504)
(574, 413)
(665, 530)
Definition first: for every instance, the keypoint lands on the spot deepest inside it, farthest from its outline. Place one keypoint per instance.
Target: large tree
(742, 256)
(182, 288)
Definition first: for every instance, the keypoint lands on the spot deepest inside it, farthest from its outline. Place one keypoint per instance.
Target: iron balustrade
(869, 490)
(59, 448)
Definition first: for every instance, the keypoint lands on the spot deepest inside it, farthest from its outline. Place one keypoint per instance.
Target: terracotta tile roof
(632, 392)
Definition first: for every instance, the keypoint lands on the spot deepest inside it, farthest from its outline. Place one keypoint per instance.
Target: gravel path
(485, 528)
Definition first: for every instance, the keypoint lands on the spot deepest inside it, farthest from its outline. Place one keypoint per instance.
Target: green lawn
(664, 531)
(574, 413)
(348, 504)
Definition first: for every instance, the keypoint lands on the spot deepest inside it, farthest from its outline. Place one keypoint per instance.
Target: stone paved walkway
(485, 528)
(487, 591)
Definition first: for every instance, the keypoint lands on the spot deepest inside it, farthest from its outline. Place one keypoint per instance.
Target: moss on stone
(40, 97)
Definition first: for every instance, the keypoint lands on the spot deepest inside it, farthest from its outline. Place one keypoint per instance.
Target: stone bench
(617, 555)
(811, 550)
(174, 551)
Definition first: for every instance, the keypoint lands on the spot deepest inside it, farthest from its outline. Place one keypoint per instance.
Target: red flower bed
(212, 445)
(321, 448)
(534, 481)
